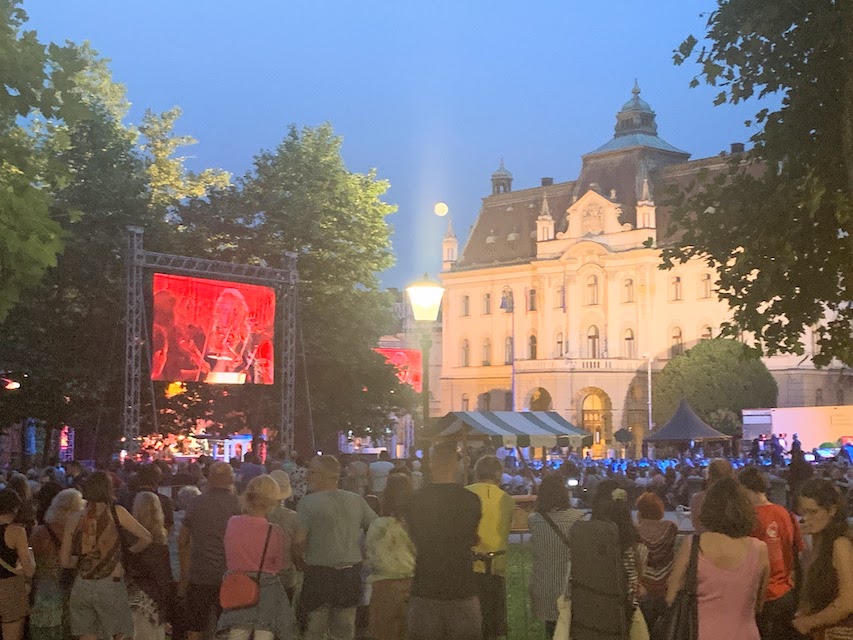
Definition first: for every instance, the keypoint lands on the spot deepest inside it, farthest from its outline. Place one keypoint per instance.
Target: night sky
(433, 94)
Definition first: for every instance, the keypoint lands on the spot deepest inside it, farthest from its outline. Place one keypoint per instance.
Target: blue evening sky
(431, 94)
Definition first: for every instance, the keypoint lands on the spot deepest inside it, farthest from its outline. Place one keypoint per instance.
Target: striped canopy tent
(513, 428)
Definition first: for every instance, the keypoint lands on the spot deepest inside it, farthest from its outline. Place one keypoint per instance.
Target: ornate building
(557, 300)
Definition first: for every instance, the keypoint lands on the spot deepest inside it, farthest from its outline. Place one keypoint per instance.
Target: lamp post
(425, 297)
(649, 388)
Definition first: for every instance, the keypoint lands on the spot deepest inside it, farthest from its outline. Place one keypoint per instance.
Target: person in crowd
(359, 471)
(826, 599)
(496, 508)
(332, 522)
(49, 489)
(779, 530)
(92, 539)
(255, 546)
(799, 472)
(249, 469)
(148, 478)
(49, 615)
(659, 536)
(75, 475)
(202, 551)
(298, 473)
(590, 485)
(379, 471)
(550, 524)
(289, 523)
(390, 557)
(186, 495)
(16, 567)
(733, 567)
(718, 469)
(417, 475)
(611, 505)
(150, 584)
(443, 518)
(27, 513)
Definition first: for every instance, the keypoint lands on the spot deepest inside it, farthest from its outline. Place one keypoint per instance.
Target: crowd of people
(417, 549)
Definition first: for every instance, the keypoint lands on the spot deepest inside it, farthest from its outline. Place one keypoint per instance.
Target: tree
(718, 378)
(302, 198)
(777, 222)
(35, 79)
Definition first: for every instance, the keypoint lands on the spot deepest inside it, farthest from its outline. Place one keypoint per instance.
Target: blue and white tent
(514, 428)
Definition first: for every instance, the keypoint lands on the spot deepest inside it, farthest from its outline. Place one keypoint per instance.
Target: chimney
(737, 147)
(547, 182)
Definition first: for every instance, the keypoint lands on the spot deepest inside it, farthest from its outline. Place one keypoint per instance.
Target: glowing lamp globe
(425, 298)
(440, 209)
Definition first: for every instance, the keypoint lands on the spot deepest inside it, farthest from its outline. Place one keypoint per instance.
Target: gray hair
(64, 504)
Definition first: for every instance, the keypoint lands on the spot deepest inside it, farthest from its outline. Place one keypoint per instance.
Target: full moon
(440, 209)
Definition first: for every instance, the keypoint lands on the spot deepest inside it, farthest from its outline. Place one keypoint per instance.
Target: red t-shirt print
(777, 528)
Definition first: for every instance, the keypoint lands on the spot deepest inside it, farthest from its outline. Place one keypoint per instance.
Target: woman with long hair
(826, 599)
(733, 568)
(549, 525)
(150, 585)
(93, 543)
(611, 505)
(258, 549)
(658, 535)
(390, 556)
(27, 513)
(16, 567)
(49, 615)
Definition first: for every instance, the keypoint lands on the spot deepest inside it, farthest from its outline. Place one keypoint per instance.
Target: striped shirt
(551, 560)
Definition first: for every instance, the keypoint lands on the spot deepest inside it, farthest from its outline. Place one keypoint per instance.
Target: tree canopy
(777, 223)
(719, 378)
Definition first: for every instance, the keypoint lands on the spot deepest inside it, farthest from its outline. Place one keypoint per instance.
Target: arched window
(592, 414)
(508, 355)
(466, 305)
(706, 285)
(466, 354)
(487, 352)
(677, 344)
(487, 304)
(486, 401)
(531, 300)
(676, 288)
(707, 333)
(464, 402)
(592, 349)
(630, 345)
(560, 346)
(561, 297)
(592, 290)
(531, 348)
(629, 290)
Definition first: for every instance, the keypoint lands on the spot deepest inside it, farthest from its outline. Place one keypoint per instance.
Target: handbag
(681, 621)
(240, 590)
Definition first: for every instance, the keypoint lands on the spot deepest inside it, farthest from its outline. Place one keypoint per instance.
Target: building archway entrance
(596, 417)
(539, 400)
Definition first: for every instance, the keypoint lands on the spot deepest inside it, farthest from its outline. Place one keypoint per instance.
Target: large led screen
(212, 331)
(408, 365)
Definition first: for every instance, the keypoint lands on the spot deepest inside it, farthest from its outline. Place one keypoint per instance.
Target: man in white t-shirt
(379, 471)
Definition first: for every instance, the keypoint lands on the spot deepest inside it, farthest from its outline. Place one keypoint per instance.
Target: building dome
(501, 171)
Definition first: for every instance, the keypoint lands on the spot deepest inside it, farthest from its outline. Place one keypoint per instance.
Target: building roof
(632, 140)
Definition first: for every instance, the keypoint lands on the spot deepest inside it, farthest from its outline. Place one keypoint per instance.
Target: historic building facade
(557, 301)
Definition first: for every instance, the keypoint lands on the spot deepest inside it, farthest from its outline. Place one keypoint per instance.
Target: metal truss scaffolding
(285, 281)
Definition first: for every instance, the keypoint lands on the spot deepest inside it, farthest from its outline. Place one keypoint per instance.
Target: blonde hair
(64, 503)
(148, 511)
(262, 494)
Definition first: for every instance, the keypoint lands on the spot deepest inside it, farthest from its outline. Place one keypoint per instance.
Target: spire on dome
(449, 233)
(501, 180)
(646, 197)
(636, 116)
(502, 171)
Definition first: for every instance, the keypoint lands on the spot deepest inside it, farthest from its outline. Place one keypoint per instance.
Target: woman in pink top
(733, 568)
(245, 539)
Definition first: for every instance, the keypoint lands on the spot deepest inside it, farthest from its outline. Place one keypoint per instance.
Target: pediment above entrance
(594, 215)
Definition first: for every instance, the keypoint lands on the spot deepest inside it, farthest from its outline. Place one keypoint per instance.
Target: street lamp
(425, 298)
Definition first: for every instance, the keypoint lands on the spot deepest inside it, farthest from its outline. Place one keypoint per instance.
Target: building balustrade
(580, 364)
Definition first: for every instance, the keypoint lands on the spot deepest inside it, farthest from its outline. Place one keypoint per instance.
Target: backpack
(601, 605)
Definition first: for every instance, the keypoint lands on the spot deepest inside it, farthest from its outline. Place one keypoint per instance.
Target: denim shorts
(100, 608)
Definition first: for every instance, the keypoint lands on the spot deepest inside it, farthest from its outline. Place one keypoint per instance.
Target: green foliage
(302, 198)
(169, 181)
(35, 80)
(778, 221)
(719, 378)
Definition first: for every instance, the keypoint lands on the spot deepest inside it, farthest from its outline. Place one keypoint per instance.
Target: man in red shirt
(780, 531)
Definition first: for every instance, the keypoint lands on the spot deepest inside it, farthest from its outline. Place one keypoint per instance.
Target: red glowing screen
(212, 331)
(408, 365)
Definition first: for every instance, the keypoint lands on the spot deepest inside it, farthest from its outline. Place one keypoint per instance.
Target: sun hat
(283, 481)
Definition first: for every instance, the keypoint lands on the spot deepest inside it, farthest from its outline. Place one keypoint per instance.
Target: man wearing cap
(201, 548)
(286, 519)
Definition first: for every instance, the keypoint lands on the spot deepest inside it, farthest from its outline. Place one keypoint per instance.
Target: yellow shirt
(497, 507)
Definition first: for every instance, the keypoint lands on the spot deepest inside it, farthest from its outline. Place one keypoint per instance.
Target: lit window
(592, 290)
(676, 288)
(630, 346)
(465, 353)
(487, 304)
(531, 348)
(560, 346)
(677, 345)
(487, 352)
(508, 355)
(592, 340)
(629, 290)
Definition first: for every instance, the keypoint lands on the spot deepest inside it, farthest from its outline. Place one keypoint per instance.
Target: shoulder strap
(690, 579)
(556, 529)
(264, 554)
